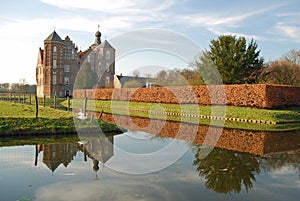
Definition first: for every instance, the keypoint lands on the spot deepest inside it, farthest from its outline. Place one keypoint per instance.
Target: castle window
(60, 77)
(54, 49)
(54, 77)
(66, 80)
(67, 68)
(107, 79)
(54, 63)
(107, 54)
(73, 54)
(99, 55)
(99, 67)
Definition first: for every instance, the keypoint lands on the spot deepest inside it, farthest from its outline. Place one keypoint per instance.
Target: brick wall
(245, 95)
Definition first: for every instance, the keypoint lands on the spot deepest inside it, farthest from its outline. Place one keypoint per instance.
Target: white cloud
(247, 36)
(229, 19)
(290, 31)
(113, 6)
(115, 190)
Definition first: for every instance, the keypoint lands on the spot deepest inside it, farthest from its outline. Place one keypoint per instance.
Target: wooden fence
(31, 99)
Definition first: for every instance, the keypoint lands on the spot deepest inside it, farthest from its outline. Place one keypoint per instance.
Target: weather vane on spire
(98, 27)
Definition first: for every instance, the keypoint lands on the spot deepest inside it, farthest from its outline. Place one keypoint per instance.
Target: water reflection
(255, 142)
(99, 149)
(227, 171)
(245, 165)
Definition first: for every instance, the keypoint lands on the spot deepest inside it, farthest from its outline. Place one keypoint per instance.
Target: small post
(19, 98)
(68, 99)
(55, 102)
(85, 104)
(36, 107)
(29, 99)
(101, 114)
(44, 101)
(23, 98)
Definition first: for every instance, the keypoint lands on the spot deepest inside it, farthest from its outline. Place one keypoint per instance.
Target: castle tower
(101, 57)
(107, 64)
(57, 67)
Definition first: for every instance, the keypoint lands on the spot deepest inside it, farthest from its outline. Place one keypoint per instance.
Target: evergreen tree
(236, 61)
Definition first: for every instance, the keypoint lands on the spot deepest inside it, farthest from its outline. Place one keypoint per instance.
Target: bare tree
(281, 72)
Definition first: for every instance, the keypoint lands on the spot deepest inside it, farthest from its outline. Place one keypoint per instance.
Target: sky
(273, 24)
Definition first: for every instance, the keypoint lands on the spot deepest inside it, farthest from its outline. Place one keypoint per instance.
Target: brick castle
(60, 61)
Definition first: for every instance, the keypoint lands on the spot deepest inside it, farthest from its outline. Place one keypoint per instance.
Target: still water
(137, 165)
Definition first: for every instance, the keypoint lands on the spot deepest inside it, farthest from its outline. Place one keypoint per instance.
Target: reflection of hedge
(256, 95)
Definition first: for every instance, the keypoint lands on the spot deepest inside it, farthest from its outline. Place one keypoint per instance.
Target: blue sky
(25, 24)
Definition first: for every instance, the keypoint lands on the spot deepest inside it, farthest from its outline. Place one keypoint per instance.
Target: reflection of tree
(280, 160)
(227, 171)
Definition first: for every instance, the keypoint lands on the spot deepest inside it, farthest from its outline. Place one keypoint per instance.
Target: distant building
(60, 61)
(121, 81)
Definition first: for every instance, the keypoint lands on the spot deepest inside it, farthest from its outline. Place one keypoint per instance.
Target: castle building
(60, 61)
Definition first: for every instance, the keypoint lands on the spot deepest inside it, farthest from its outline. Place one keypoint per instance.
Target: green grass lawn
(288, 116)
(18, 118)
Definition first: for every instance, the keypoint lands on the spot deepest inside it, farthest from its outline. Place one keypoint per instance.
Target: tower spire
(98, 37)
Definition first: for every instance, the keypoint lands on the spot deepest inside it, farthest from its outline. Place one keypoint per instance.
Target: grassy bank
(235, 117)
(19, 119)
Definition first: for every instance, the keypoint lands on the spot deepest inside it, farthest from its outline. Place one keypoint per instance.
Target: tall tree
(4, 87)
(236, 61)
(292, 57)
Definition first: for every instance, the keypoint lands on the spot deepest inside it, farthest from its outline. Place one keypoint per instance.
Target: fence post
(68, 99)
(54, 101)
(36, 107)
(44, 101)
(24, 99)
(85, 104)
(19, 98)
(29, 99)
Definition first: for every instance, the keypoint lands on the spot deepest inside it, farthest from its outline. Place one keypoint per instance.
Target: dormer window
(107, 54)
(99, 55)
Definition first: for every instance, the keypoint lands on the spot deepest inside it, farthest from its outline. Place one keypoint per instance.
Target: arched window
(107, 79)
(107, 54)
(54, 49)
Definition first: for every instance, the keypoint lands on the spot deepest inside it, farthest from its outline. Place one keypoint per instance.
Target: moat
(138, 165)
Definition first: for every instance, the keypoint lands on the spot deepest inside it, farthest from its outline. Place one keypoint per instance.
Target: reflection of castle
(56, 154)
(99, 149)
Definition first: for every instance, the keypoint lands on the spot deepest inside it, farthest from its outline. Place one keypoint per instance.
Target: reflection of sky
(179, 181)
(135, 155)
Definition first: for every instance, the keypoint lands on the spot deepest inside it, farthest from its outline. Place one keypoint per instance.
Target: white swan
(81, 115)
